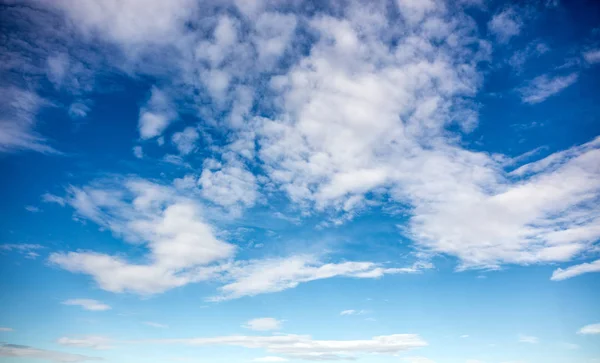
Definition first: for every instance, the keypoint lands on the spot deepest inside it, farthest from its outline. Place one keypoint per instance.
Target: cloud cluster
(23, 351)
(306, 348)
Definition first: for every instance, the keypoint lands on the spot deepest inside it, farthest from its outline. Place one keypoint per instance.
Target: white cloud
(305, 348)
(506, 24)
(156, 115)
(78, 110)
(249, 278)
(93, 342)
(18, 110)
(590, 329)
(263, 324)
(155, 325)
(185, 141)
(181, 244)
(138, 152)
(353, 312)
(88, 304)
(269, 359)
(528, 339)
(464, 336)
(32, 209)
(592, 56)
(542, 87)
(576, 270)
(4, 329)
(23, 351)
(26, 249)
(231, 185)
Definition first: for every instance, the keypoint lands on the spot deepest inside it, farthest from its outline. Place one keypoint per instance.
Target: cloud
(88, 304)
(231, 185)
(32, 209)
(303, 347)
(506, 24)
(464, 336)
(185, 141)
(23, 351)
(250, 278)
(93, 342)
(528, 339)
(562, 274)
(18, 110)
(4, 329)
(269, 359)
(27, 249)
(155, 325)
(590, 329)
(138, 152)
(353, 312)
(592, 56)
(156, 115)
(542, 87)
(263, 324)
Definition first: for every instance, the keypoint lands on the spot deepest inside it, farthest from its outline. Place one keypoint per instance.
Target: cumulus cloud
(156, 115)
(93, 342)
(87, 304)
(590, 329)
(23, 351)
(576, 270)
(304, 347)
(263, 324)
(592, 56)
(185, 141)
(544, 86)
(506, 24)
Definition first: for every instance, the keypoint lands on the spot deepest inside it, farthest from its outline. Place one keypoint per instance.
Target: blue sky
(410, 181)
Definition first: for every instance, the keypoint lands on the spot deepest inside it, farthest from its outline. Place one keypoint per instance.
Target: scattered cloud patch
(263, 324)
(87, 304)
(590, 329)
(528, 339)
(155, 325)
(26, 249)
(93, 342)
(353, 312)
(592, 56)
(5, 329)
(23, 351)
(562, 274)
(543, 87)
(270, 359)
(138, 152)
(506, 24)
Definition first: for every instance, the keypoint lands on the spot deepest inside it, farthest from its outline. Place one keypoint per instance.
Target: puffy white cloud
(230, 185)
(528, 339)
(138, 152)
(576, 270)
(590, 329)
(305, 348)
(542, 87)
(263, 324)
(506, 24)
(592, 56)
(156, 115)
(23, 351)
(185, 141)
(88, 304)
(94, 342)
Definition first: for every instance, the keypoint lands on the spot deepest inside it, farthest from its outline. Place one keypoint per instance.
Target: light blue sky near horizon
(389, 181)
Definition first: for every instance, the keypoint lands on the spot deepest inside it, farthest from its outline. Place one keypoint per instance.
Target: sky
(232, 181)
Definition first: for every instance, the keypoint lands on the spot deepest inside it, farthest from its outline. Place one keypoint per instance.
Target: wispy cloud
(155, 325)
(506, 24)
(93, 342)
(544, 86)
(263, 324)
(528, 339)
(14, 350)
(575, 270)
(87, 304)
(590, 329)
